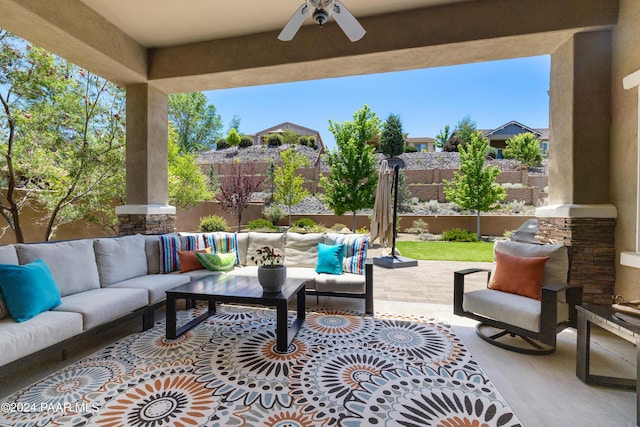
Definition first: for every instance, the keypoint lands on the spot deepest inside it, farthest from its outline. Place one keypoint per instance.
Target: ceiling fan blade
(348, 22)
(294, 24)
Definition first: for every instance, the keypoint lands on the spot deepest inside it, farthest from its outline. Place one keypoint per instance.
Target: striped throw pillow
(355, 251)
(169, 247)
(223, 243)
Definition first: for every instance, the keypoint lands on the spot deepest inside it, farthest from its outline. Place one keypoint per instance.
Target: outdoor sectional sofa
(105, 281)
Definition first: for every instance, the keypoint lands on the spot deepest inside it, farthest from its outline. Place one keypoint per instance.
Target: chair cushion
(510, 308)
(330, 258)
(28, 289)
(120, 258)
(555, 270)
(301, 250)
(519, 275)
(72, 263)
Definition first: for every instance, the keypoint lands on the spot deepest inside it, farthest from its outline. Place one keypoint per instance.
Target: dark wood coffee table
(243, 290)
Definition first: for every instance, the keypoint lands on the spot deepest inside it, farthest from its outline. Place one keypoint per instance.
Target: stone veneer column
(147, 210)
(589, 231)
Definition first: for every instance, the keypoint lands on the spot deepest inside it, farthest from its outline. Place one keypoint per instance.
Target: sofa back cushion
(259, 240)
(355, 250)
(72, 263)
(8, 255)
(120, 258)
(301, 250)
(242, 239)
(152, 250)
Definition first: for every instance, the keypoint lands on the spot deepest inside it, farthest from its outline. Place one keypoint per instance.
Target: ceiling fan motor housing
(320, 16)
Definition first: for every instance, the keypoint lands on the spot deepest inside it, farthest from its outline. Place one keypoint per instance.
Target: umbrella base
(394, 261)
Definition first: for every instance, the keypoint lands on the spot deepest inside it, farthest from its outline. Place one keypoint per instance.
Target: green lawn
(447, 251)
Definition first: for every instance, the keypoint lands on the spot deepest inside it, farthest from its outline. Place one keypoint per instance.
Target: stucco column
(579, 213)
(147, 210)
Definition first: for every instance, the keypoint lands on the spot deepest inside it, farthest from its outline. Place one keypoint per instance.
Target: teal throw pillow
(28, 289)
(217, 262)
(330, 258)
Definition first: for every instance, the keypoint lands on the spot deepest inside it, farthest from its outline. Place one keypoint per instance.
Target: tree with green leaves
(289, 185)
(443, 136)
(289, 136)
(524, 147)
(461, 135)
(352, 180)
(61, 139)
(197, 122)
(233, 137)
(474, 186)
(188, 186)
(391, 138)
(235, 123)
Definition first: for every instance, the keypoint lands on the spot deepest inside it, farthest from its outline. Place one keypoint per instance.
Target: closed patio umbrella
(382, 221)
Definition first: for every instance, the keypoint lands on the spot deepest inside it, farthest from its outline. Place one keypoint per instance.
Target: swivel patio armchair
(516, 317)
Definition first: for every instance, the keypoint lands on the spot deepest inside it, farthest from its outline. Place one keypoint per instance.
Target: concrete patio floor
(542, 390)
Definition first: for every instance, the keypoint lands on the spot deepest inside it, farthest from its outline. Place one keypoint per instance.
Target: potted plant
(271, 273)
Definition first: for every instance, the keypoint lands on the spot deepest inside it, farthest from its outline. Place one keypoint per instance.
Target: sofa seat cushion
(155, 284)
(346, 282)
(250, 270)
(99, 306)
(304, 273)
(120, 258)
(199, 274)
(46, 329)
(72, 263)
(510, 308)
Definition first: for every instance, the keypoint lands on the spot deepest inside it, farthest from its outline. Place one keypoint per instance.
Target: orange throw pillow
(189, 261)
(519, 275)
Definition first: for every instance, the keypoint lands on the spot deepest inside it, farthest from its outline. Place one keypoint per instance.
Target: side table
(603, 316)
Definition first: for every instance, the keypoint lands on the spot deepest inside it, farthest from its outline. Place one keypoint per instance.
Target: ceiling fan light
(320, 16)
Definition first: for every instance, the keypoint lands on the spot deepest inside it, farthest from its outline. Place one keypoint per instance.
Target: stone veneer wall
(593, 259)
(146, 224)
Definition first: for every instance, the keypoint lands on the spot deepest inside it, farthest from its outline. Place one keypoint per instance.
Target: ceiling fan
(320, 11)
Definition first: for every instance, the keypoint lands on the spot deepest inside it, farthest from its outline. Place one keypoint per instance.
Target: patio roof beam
(432, 36)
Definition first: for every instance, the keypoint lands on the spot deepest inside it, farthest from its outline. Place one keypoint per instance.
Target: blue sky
(492, 93)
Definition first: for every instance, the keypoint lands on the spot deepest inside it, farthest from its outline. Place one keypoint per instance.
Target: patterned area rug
(342, 369)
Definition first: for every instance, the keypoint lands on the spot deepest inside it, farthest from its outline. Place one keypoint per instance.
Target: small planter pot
(272, 277)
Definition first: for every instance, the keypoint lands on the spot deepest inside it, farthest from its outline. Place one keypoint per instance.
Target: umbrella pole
(396, 170)
(394, 261)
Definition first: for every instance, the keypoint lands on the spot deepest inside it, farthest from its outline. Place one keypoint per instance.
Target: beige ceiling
(193, 45)
(162, 23)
